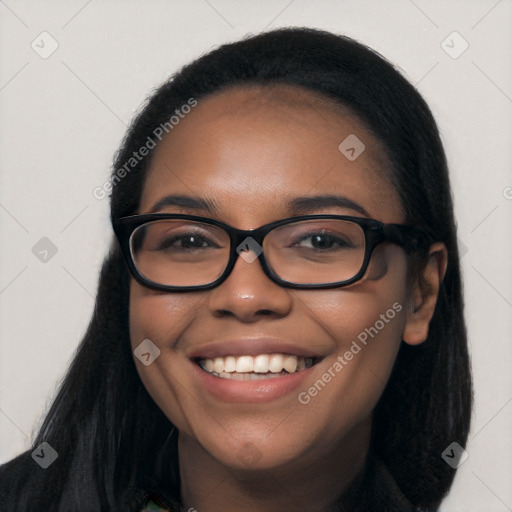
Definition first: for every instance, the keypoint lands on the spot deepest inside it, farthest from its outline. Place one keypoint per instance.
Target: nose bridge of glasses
(245, 241)
(239, 235)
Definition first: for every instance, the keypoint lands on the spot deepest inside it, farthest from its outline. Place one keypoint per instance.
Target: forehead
(249, 150)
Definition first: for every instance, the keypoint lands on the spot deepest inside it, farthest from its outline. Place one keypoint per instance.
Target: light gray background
(63, 117)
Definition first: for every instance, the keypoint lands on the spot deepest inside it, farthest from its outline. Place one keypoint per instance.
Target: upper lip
(249, 347)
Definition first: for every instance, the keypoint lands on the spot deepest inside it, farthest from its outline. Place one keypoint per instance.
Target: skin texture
(248, 150)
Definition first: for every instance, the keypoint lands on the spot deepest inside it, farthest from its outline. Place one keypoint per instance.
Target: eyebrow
(307, 204)
(187, 203)
(297, 206)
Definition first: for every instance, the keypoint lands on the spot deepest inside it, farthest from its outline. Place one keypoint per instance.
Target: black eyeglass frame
(411, 238)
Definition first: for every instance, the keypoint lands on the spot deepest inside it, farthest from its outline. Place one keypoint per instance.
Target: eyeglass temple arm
(412, 239)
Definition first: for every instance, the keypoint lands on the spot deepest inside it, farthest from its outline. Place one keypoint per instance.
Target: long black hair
(114, 443)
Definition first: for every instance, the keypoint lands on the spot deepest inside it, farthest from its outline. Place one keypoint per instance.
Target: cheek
(366, 321)
(377, 303)
(161, 318)
(367, 331)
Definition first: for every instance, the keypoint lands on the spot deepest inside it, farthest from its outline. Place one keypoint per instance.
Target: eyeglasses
(175, 253)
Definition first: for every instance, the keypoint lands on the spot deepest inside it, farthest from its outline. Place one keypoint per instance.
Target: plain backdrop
(63, 115)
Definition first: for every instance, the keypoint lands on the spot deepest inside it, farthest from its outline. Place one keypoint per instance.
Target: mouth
(255, 367)
(251, 370)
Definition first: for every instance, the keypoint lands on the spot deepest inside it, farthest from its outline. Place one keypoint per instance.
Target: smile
(261, 366)
(251, 370)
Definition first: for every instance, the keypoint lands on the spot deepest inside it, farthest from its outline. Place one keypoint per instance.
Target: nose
(248, 293)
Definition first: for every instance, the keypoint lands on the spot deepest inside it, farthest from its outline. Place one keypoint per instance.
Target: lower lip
(249, 391)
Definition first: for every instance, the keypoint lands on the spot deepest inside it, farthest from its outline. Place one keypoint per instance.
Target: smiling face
(247, 154)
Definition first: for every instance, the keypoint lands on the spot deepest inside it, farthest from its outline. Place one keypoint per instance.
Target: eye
(323, 240)
(185, 241)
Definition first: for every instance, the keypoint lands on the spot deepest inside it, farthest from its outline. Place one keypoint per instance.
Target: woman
(279, 323)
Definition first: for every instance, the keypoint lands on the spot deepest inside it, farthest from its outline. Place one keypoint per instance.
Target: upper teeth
(262, 363)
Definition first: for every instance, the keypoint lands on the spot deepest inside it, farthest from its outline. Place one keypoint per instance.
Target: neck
(314, 481)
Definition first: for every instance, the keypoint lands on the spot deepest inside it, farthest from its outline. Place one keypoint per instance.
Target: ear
(423, 295)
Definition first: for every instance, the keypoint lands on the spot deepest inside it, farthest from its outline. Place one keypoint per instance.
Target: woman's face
(248, 153)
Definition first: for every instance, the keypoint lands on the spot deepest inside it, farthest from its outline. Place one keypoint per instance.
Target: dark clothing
(373, 490)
